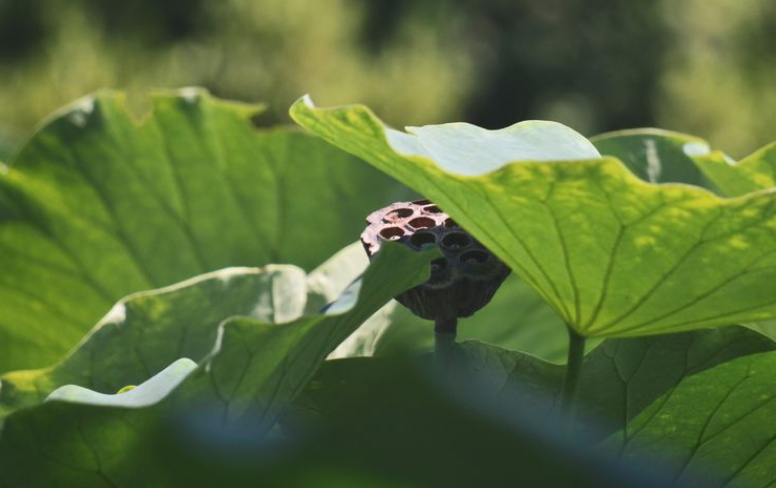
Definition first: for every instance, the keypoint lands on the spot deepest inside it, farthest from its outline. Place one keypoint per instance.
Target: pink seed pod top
(462, 281)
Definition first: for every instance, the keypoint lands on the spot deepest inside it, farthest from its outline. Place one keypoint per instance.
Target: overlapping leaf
(149, 393)
(656, 155)
(650, 396)
(96, 206)
(755, 172)
(715, 429)
(615, 256)
(620, 378)
(257, 365)
(623, 377)
(376, 404)
(257, 368)
(149, 330)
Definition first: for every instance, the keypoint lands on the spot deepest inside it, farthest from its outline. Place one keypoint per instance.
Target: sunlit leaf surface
(97, 205)
(612, 254)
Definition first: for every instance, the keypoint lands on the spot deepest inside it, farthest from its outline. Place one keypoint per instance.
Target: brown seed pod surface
(461, 282)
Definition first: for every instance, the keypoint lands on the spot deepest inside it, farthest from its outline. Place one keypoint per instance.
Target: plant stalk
(576, 355)
(445, 332)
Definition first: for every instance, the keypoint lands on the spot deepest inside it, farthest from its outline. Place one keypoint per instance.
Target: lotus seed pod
(462, 281)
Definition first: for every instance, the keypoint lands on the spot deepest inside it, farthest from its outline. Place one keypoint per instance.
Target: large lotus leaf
(96, 206)
(656, 155)
(768, 327)
(254, 370)
(623, 377)
(619, 379)
(716, 428)
(755, 172)
(257, 368)
(149, 330)
(614, 255)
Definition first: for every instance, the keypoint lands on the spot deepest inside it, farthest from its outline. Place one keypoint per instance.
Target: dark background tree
(597, 66)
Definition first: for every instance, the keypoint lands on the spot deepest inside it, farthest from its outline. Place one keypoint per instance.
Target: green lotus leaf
(624, 385)
(623, 377)
(620, 378)
(716, 428)
(149, 330)
(256, 367)
(148, 393)
(661, 156)
(613, 255)
(96, 206)
(735, 178)
(374, 407)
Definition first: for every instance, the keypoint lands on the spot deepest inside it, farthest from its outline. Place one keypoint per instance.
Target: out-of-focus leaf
(612, 254)
(364, 342)
(619, 379)
(96, 206)
(327, 282)
(768, 328)
(624, 382)
(374, 405)
(379, 406)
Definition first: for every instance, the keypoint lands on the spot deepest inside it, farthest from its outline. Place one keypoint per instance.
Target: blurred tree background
(699, 67)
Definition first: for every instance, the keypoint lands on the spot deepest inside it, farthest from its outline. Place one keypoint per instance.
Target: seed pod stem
(445, 331)
(446, 326)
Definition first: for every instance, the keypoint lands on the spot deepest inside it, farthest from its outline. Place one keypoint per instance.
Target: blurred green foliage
(248, 50)
(691, 66)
